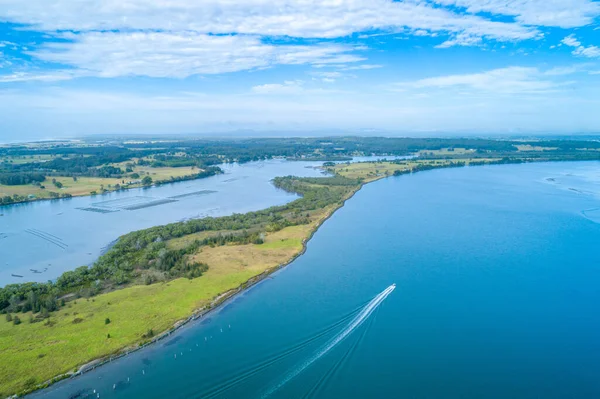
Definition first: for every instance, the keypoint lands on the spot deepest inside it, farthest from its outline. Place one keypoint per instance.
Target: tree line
(145, 254)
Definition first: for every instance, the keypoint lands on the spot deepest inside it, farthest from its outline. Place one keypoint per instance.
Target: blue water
(497, 271)
(54, 236)
(40, 240)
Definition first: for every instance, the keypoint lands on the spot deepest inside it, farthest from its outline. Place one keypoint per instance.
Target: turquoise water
(497, 272)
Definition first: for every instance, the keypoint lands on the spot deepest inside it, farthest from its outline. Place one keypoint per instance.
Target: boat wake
(351, 320)
(360, 318)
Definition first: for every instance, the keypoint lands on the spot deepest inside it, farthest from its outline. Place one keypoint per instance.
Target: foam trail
(221, 387)
(354, 324)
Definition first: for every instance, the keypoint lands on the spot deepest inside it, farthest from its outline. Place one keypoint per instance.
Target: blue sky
(413, 67)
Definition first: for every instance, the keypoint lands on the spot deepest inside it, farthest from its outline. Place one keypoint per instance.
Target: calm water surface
(497, 271)
(40, 240)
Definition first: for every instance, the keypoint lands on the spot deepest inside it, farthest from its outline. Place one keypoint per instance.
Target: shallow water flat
(87, 225)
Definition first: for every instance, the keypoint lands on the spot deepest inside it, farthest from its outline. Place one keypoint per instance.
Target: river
(40, 240)
(497, 273)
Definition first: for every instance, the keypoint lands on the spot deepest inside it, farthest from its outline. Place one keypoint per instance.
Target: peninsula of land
(154, 279)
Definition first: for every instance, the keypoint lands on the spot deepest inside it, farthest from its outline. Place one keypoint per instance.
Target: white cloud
(38, 77)
(331, 77)
(589, 52)
(580, 50)
(571, 41)
(462, 39)
(568, 70)
(179, 38)
(559, 13)
(179, 55)
(288, 87)
(510, 80)
(362, 67)
(306, 18)
(295, 88)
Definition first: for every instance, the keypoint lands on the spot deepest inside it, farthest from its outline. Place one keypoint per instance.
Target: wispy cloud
(559, 13)
(43, 76)
(463, 39)
(362, 67)
(287, 87)
(294, 88)
(510, 80)
(179, 55)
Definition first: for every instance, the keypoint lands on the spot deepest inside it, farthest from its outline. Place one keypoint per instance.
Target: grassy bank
(31, 353)
(82, 186)
(142, 292)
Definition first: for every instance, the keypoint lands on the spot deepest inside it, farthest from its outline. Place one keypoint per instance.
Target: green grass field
(85, 185)
(19, 160)
(370, 171)
(447, 151)
(32, 353)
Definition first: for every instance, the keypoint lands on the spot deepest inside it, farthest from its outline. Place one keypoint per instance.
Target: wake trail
(230, 383)
(335, 367)
(48, 234)
(354, 324)
(50, 240)
(345, 358)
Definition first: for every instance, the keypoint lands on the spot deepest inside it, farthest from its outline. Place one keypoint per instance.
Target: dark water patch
(147, 361)
(149, 204)
(194, 194)
(98, 210)
(173, 341)
(120, 203)
(206, 321)
(121, 385)
(78, 395)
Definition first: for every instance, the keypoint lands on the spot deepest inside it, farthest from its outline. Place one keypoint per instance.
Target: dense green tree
(147, 181)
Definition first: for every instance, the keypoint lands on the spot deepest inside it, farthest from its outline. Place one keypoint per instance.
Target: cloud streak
(510, 80)
(179, 55)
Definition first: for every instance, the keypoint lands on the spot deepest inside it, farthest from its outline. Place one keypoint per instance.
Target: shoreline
(131, 187)
(216, 304)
